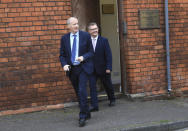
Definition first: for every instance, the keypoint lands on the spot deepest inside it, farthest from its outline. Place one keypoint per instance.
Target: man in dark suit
(102, 63)
(76, 54)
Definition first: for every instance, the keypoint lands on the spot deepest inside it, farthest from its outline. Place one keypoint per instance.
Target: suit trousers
(79, 80)
(93, 91)
(107, 83)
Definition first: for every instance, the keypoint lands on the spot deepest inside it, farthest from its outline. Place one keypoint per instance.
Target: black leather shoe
(88, 116)
(93, 109)
(82, 122)
(112, 103)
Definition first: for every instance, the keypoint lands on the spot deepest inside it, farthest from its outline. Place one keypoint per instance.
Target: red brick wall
(30, 71)
(178, 15)
(30, 31)
(145, 53)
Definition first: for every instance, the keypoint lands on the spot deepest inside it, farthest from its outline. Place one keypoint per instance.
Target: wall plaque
(108, 8)
(149, 19)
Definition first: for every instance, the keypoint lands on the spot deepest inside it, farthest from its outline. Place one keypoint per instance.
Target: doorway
(105, 14)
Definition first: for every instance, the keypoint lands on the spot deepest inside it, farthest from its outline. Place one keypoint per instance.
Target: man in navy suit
(102, 63)
(76, 54)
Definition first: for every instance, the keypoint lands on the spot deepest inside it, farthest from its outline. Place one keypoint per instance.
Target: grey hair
(69, 20)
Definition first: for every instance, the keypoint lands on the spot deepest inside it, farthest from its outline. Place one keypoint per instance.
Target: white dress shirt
(94, 42)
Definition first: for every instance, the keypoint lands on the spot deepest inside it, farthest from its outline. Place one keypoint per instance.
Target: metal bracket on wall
(124, 28)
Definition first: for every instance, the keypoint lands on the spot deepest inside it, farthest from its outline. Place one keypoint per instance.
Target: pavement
(155, 115)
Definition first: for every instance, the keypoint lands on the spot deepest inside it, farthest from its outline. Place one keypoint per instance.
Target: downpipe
(167, 47)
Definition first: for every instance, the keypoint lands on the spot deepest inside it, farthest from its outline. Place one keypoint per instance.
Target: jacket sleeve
(108, 55)
(90, 51)
(63, 53)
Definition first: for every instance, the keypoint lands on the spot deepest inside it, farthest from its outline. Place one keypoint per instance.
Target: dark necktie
(73, 53)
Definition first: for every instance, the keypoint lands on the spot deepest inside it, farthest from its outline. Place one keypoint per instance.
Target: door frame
(122, 38)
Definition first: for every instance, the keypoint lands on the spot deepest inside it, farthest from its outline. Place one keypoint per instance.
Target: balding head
(72, 24)
(71, 19)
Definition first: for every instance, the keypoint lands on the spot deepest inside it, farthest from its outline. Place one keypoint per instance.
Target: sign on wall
(149, 19)
(108, 8)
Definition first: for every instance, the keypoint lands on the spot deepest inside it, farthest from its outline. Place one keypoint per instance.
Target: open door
(109, 29)
(86, 11)
(105, 14)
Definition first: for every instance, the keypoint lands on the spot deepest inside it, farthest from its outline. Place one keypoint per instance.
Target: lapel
(68, 44)
(80, 42)
(97, 44)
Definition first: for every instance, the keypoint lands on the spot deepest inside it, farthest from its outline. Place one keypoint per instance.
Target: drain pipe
(167, 46)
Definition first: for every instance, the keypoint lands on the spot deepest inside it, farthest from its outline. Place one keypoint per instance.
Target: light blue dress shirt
(77, 46)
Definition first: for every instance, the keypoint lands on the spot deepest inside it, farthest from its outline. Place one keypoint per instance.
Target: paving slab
(125, 116)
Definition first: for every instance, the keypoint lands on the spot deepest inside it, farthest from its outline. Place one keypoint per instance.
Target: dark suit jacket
(85, 50)
(102, 56)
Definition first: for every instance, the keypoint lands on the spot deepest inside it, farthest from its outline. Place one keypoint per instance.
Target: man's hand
(108, 71)
(66, 67)
(80, 58)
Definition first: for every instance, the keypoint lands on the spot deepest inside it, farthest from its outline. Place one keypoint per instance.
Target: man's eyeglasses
(94, 29)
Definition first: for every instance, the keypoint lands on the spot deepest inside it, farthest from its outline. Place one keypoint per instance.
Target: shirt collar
(94, 38)
(77, 33)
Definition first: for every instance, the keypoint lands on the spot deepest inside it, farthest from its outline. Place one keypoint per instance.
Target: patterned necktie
(73, 53)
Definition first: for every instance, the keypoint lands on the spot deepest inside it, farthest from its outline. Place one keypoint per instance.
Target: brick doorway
(97, 11)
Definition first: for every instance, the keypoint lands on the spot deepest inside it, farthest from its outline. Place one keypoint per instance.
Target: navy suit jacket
(85, 50)
(102, 56)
